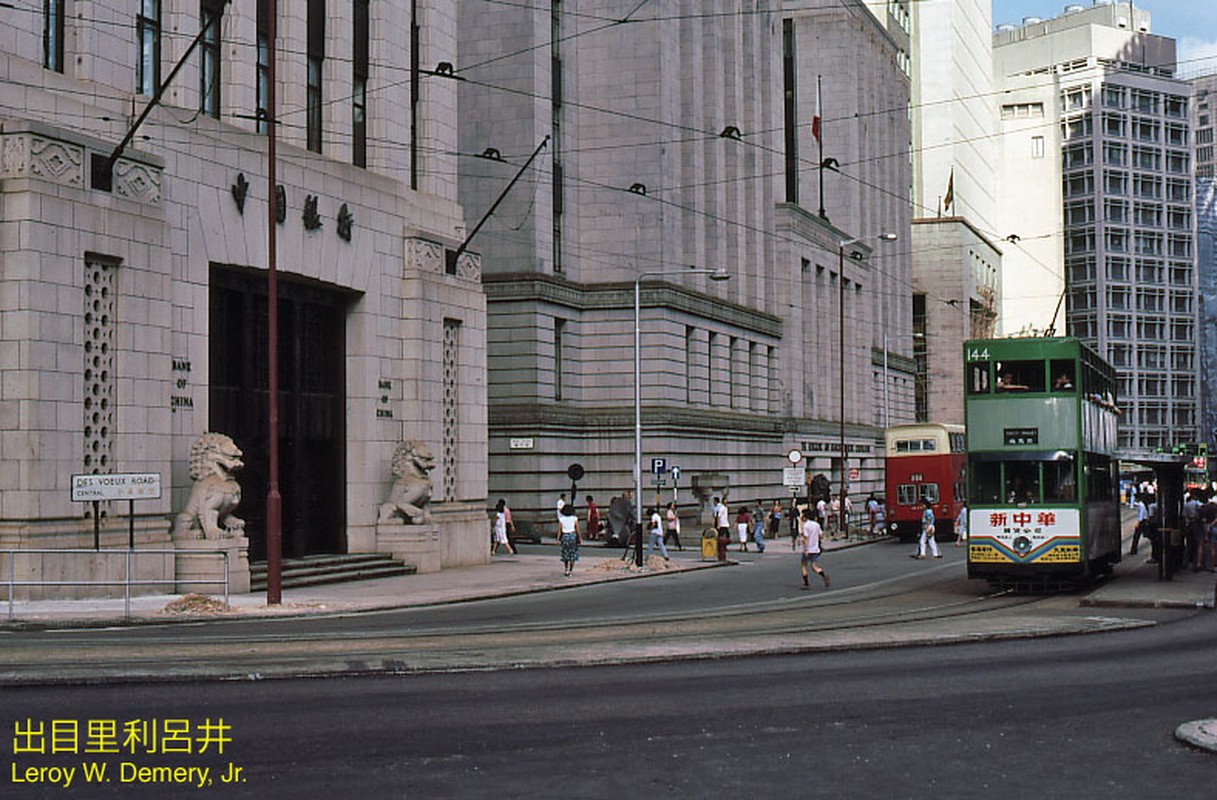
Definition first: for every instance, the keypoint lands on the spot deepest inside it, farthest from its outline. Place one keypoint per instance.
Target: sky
(1191, 23)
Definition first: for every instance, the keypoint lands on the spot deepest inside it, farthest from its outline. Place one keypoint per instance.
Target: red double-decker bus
(924, 461)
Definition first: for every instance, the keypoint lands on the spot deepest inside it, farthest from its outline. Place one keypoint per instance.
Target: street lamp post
(715, 275)
(841, 245)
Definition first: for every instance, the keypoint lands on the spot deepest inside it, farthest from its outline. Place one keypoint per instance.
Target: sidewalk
(1135, 585)
(504, 576)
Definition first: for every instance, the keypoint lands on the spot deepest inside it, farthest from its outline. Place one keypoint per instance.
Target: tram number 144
(977, 354)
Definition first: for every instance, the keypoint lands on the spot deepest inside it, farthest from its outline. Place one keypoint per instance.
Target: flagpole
(818, 130)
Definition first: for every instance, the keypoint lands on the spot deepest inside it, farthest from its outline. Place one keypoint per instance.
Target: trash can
(709, 545)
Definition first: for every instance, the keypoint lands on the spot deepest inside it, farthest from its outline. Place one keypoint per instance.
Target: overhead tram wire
(706, 134)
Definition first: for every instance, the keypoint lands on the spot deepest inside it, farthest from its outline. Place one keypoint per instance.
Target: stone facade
(107, 292)
(956, 281)
(671, 146)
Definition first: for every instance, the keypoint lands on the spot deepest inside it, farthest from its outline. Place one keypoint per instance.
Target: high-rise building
(689, 136)
(1097, 176)
(956, 261)
(1204, 123)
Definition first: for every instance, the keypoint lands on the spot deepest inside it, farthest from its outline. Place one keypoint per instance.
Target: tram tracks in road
(921, 607)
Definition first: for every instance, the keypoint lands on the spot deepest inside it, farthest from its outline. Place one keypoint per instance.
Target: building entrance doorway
(312, 403)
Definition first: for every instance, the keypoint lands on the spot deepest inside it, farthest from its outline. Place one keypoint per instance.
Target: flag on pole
(949, 199)
(815, 121)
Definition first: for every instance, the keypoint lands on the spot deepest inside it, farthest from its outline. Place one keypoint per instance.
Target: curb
(1201, 734)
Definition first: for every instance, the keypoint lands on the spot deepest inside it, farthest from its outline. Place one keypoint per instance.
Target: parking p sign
(659, 466)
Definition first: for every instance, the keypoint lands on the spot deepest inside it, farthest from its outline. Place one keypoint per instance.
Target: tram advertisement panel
(1033, 535)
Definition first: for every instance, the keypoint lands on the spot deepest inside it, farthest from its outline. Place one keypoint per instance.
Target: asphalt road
(879, 597)
(1078, 717)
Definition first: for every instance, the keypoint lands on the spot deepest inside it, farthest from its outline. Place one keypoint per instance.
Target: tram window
(986, 481)
(1060, 482)
(906, 494)
(1022, 482)
(929, 493)
(978, 377)
(1020, 376)
(1063, 379)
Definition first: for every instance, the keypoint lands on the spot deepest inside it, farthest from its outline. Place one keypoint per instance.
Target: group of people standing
(1199, 529)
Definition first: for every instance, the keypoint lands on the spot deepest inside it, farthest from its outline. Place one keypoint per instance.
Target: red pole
(274, 503)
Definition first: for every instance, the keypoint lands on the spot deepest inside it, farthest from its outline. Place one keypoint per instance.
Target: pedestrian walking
(810, 537)
(501, 514)
(673, 525)
(722, 526)
(928, 533)
(656, 537)
(775, 523)
(593, 518)
(743, 520)
(1142, 522)
(758, 527)
(961, 526)
(568, 538)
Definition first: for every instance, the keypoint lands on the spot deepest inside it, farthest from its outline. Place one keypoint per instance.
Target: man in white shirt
(809, 537)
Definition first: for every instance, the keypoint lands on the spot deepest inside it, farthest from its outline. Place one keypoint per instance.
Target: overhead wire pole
(156, 98)
(274, 502)
(490, 212)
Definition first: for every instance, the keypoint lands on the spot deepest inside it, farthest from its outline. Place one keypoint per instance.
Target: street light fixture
(841, 245)
(719, 274)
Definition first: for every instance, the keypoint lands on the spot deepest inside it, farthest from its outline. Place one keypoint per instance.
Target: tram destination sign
(119, 486)
(1017, 436)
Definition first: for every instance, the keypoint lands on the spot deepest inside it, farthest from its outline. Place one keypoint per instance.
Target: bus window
(1022, 482)
(986, 481)
(1020, 376)
(1062, 375)
(1060, 482)
(929, 493)
(978, 377)
(906, 494)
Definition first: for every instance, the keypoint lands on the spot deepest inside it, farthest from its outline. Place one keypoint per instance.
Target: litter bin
(709, 545)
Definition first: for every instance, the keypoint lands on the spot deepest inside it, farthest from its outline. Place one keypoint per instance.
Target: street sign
(854, 473)
(794, 456)
(794, 477)
(120, 486)
(522, 443)
(659, 466)
(675, 474)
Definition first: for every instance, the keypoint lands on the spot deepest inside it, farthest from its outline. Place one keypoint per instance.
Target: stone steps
(322, 569)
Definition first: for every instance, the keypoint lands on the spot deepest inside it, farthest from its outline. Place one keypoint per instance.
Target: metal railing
(127, 581)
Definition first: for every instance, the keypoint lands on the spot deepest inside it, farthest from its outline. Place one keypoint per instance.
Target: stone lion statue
(410, 499)
(214, 457)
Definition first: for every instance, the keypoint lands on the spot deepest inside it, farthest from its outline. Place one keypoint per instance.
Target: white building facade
(1090, 98)
(956, 261)
(134, 312)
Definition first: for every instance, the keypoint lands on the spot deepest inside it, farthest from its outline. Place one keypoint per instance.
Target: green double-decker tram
(1043, 508)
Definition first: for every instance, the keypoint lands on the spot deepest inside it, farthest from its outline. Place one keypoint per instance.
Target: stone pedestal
(418, 545)
(706, 487)
(457, 536)
(199, 567)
